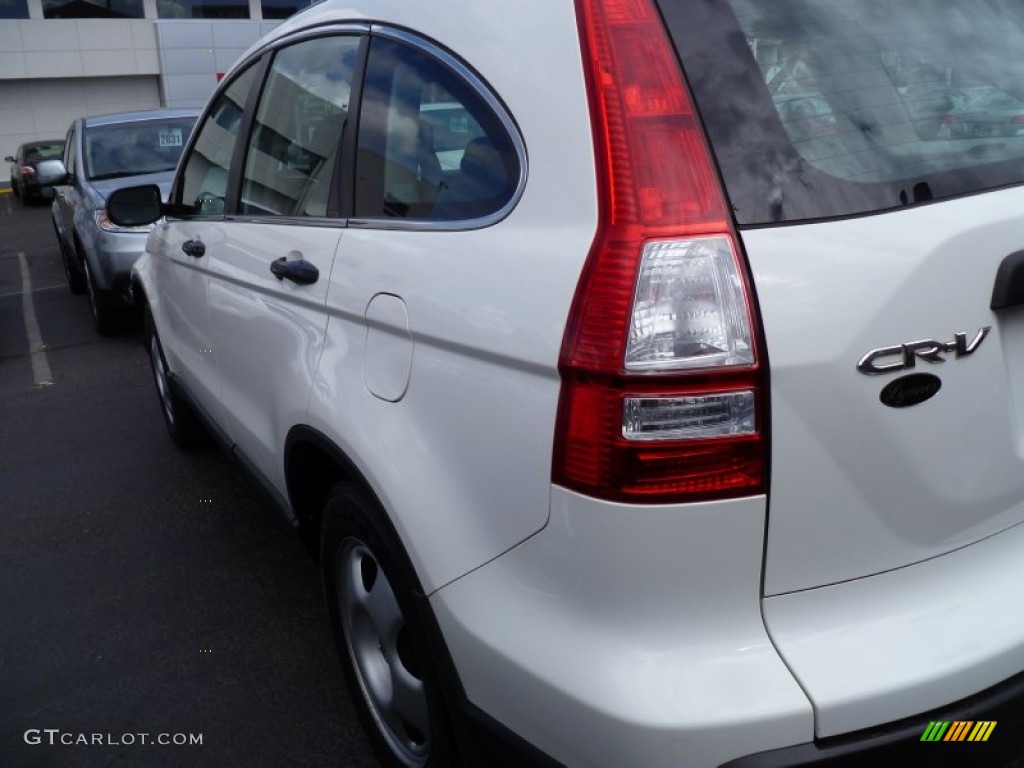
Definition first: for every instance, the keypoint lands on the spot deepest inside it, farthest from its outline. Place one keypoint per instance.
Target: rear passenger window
(299, 125)
(204, 181)
(431, 148)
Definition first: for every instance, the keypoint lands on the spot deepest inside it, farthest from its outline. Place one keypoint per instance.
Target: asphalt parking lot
(144, 591)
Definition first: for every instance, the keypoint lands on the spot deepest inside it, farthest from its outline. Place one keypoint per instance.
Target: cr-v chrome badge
(904, 356)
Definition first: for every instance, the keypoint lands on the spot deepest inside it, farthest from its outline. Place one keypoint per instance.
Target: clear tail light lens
(689, 417)
(689, 310)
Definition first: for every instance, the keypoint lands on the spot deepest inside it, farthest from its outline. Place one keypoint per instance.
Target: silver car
(102, 154)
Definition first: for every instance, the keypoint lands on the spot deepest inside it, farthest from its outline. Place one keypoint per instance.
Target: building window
(202, 9)
(282, 9)
(85, 9)
(13, 9)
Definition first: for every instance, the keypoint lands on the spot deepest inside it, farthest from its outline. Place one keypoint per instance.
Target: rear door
(875, 248)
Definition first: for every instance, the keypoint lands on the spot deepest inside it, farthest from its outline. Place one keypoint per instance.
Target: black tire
(76, 283)
(381, 638)
(107, 318)
(15, 188)
(184, 427)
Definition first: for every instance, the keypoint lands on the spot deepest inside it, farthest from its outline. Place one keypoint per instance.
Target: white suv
(648, 375)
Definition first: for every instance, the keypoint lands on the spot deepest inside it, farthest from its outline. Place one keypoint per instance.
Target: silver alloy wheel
(163, 386)
(373, 626)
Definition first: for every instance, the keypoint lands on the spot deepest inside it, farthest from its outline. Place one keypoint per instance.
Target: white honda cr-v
(647, 375)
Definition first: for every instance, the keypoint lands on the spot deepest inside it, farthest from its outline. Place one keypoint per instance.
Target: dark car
(928, 105)
(990, 113)
(33, 174)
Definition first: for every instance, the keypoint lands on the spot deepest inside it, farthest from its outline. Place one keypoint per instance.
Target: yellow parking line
(5, 190)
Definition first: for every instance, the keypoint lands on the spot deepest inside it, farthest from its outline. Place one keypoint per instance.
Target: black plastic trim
(496, 746)
(225, 443)
(1009, 288)
(899, 743)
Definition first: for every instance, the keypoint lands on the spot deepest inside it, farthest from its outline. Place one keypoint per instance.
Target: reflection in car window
(883, 99)
(834, 107)
(430, 147)
(204, 182)
(131, 149)
(299, 123)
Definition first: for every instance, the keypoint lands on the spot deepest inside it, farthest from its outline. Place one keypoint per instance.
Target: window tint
(430, 147)
(299, 123)
(833, 107)
(204, 182)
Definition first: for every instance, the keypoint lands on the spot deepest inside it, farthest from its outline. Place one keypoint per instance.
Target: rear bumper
(885, 647)
(624, 635)
(900, 743)
(37, 189)
(621, 635)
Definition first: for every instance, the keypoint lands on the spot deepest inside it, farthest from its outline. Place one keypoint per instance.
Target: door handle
(194, 248)
(1009, 288)
(297, 270)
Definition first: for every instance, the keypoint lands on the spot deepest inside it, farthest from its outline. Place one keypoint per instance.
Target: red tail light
(662, 396)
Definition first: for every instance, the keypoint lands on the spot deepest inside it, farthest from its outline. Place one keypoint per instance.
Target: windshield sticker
(170, 137)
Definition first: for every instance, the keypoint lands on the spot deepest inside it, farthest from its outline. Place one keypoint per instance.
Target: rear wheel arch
(313, 466)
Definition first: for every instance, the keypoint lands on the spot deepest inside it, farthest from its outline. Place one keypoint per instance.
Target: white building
(62, 59)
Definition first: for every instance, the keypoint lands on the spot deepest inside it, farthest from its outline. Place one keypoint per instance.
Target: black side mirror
(8, 159)
(135, 206)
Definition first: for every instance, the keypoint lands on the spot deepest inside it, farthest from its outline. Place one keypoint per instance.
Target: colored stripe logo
(958, 730)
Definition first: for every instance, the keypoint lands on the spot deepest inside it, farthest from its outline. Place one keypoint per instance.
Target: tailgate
(858, 485)
(875, 210)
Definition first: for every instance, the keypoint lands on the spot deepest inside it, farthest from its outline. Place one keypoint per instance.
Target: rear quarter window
(432, 145)
(823, 109)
